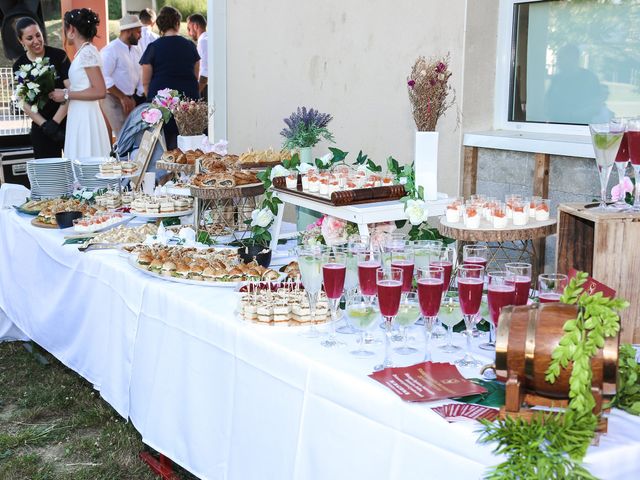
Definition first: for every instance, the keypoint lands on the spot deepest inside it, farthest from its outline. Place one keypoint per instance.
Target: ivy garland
(552, 445)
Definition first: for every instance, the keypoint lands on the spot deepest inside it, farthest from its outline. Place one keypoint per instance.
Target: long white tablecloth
(228, 399)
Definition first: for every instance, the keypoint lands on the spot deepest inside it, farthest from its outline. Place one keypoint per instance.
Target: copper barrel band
(502, 342)
(530, 342)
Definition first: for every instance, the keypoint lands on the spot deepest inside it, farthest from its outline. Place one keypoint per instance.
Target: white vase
(305, 155)
(426, 163)
(191, 142)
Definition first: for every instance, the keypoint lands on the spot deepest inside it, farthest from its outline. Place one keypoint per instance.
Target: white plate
(162, 215)
(100, 176)
(133, 261)
(125, 219)
(48, 161)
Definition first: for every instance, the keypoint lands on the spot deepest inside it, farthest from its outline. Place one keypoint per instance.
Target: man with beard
(122, 73)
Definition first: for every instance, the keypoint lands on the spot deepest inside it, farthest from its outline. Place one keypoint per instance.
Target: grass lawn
(54, 425)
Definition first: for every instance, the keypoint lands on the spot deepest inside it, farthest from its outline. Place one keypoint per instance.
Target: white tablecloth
(228, 399)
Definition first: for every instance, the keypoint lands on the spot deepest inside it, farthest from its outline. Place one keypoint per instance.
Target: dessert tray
(100, 222)
(212, 267)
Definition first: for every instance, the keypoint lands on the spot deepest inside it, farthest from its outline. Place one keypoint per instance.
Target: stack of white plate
(86, 170)
(50, 177)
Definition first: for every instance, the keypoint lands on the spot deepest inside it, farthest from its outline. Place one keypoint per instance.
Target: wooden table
(522, 236)
(606, 245)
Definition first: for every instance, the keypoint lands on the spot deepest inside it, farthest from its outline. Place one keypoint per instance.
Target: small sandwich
(128, 167)
(106, 168)
(208, 274)
(156, 265)
(168, 268)
(195, 272)
(265, 313)
(145, 259)
(166, 205)
(270, 275)
(182, 271)
(281, 313)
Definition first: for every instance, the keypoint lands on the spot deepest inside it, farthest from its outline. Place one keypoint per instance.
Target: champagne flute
(475, 255)
(521, 277)
(606, 139)
(408, 314)
(430, 286)
(551, 286)
(470, 283)
(368, 264)
(622, 161)
(404, 260)
(334, 270)
(355, 246)
(444, 257)
(633, 141)
(423, 251)
(362, 316)
(389, 282)
(501, 291)
(309, 261)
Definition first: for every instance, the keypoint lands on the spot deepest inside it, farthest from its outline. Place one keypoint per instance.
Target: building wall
(351, 59)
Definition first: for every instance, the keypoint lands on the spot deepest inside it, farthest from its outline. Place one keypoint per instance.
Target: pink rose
(334, 230)
(619, 191)
(152, 116)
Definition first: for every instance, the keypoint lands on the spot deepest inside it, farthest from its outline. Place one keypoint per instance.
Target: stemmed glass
(352, 250)
(334, 270)
(475, 255)
(309, 261)
(362, 316)
(521, 277)
(444, 257)
(633, 141)
(551, 286)
(622, 161)
(389, 281)
(404, 260)
(470, 282)
(423, 251)
(430, 286)
(368, 265)
(606, 139)
(501, 292)
(408, 314)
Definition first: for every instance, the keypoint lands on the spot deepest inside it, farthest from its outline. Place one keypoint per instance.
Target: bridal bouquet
(35, 81)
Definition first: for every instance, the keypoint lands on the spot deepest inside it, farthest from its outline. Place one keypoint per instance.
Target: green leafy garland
(552, 445)
(628, 395)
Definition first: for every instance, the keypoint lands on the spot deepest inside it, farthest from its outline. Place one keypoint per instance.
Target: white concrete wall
(351, 58)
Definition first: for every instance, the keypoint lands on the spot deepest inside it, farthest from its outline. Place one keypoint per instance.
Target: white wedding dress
(87, 134)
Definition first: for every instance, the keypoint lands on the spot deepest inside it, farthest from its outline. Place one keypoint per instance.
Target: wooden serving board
(357, 196)
(38, 224)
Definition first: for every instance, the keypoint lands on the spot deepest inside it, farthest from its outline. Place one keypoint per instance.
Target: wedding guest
(87, 134)
(148, 19)
(197, 29)
(48, 124)
(122, 73)
(172, 62)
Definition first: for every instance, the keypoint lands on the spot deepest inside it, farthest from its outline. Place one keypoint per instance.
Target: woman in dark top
(47, 127)
(172, 62)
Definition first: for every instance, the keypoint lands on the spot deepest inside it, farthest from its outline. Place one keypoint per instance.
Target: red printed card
(592, 286)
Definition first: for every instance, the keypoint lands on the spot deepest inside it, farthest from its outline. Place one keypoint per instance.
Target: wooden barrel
(526, 338)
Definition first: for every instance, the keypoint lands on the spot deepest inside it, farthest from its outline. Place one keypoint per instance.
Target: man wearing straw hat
(122, 73)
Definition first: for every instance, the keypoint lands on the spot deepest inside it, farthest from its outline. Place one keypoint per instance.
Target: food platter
(125, 219)
(186, 281)
(39, 224)
(101, 176)
(181, 213)
(25, 211)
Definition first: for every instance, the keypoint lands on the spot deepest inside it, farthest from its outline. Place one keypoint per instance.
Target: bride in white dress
(87, 134)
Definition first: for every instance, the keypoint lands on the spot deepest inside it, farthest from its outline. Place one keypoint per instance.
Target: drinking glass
(449, 316)
(430, 286)
(622, 161)
(551, 286)
(475, 255)
(470, 282)
(633, 142)
(355, 246)
(310, 263)
(389, 282)
(422, 251)
(368, 264)
(521, 272)
(404, 260)
(444, 257)
(408, 314)
(334, 270)
(362, 316)
(501, 291)
(606, 139)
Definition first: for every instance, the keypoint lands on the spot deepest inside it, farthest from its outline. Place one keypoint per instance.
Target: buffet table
(230, 399)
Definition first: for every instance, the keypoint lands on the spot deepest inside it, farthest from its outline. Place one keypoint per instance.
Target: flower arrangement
(263, 216)
(192, 117)
(429, 91)
(328, 230)
(305, 128)
(161, 107)
(35, 81)
(623, 191)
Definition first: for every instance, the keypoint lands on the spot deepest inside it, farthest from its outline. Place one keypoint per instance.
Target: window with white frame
(572, 62)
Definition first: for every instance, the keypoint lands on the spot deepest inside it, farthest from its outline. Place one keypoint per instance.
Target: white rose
(261, 218)
(327, 157)
(33, 86)
(278, 171)
(416, 211)
(38, 60)
(34, 108)
(87, 195)
(305, 167)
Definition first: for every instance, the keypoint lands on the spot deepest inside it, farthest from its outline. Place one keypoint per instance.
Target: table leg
(363, 229)
(275, 231)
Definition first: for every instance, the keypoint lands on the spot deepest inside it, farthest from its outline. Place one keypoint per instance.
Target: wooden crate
(607, 245)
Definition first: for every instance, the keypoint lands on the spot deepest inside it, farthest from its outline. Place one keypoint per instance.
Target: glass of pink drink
(470, 283)
(501, 291)
(622, 160)
(475, 255)
(430, 286)
(633, 142)
(404, 260)
(551, 286)
(334, 270)
(368, 265)
(389, 283)
(444, 257)
(521, 278)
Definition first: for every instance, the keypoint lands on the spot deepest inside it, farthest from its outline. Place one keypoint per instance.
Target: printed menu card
(426, 382)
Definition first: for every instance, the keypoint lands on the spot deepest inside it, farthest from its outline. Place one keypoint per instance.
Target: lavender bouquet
(305, 128)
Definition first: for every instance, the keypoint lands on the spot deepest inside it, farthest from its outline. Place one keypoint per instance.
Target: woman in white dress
(87, 134)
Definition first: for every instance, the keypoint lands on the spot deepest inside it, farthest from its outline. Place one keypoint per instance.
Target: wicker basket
(221, 193)
(175, 167)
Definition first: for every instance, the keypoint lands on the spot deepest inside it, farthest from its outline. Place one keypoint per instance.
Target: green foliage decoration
(627, 397)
